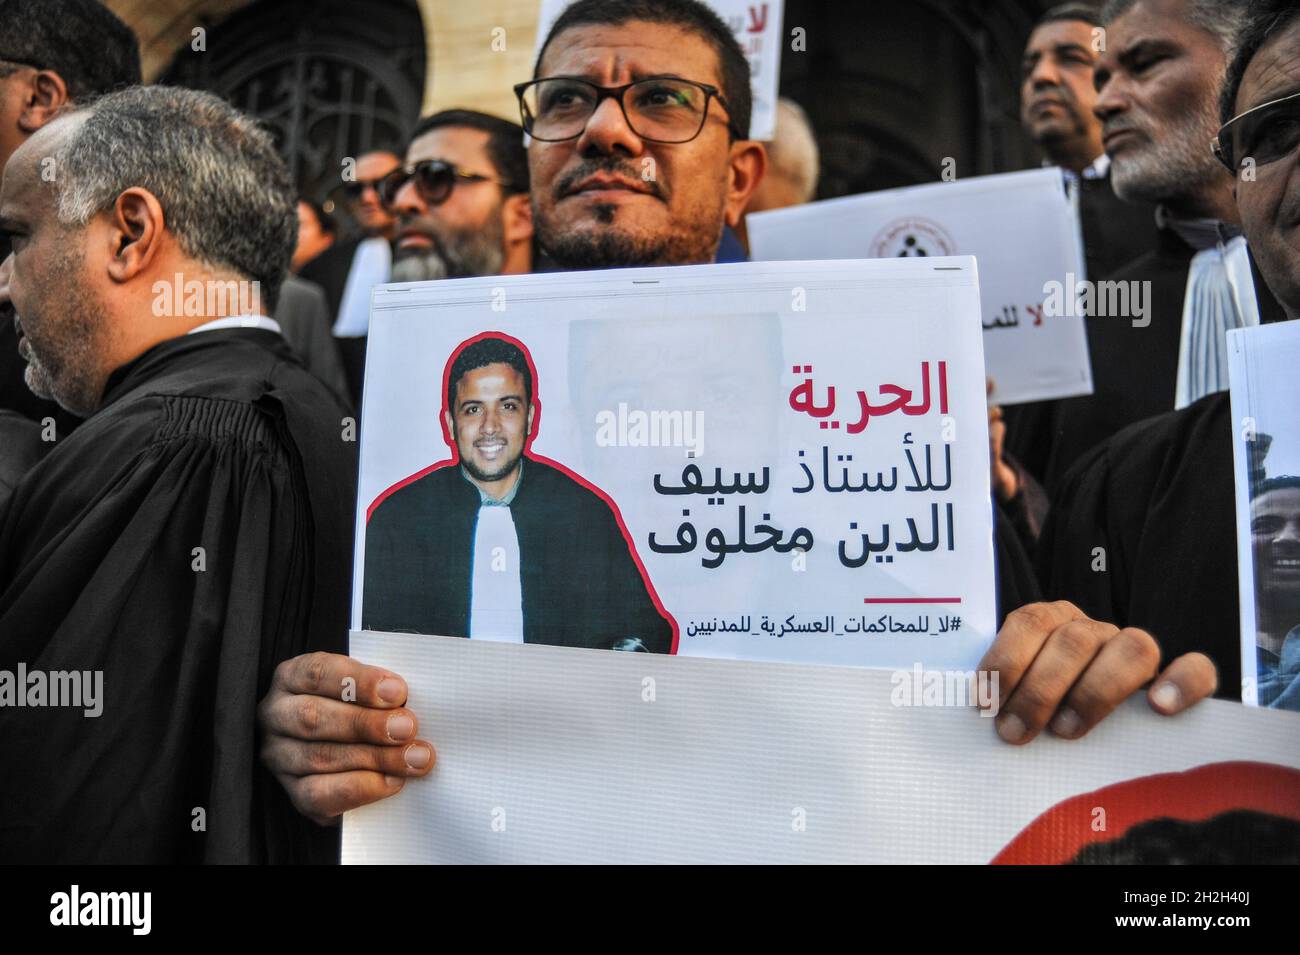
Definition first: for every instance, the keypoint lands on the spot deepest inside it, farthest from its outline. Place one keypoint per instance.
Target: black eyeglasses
(434, 180)
(1265, 134)
(661, 109)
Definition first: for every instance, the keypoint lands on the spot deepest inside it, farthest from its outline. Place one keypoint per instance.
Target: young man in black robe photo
(499, 544)
(195, 530)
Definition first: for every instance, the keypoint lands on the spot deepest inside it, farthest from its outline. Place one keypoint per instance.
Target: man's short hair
(689, 15)
(1077, 10)
(480, 354)
(225, 192)
(1264, 19)
(505, 142)
(81, 40)
(1222, 19)
(793, 153)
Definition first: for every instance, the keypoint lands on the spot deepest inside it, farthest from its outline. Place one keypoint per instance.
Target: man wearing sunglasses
(1159, 497)
(348, 270)
(461, 199)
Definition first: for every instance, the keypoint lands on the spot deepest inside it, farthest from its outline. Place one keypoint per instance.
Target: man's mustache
(610, 164)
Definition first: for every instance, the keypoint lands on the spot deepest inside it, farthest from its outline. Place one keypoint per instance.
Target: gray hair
(793, 151)
(225, 192)
(1222, 19)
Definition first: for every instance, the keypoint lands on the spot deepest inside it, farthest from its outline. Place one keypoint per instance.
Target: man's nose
(607, 130)
(1112, 98)
(1045, 74)
(408, 201)
(1289, 532)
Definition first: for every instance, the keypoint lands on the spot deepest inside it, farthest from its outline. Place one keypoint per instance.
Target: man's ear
(748, 164)
(135, 234)
(532, 413)
(450, 422)
(517, 219)
(45, 95)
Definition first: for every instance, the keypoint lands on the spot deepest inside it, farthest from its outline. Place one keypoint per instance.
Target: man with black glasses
(639, 116)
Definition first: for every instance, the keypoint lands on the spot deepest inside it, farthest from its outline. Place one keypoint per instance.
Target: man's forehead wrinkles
(1271, 76)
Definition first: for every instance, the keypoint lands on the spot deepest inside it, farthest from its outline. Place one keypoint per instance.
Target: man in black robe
(51, 52)
(1158, 81)
(194, 531)
(499, 544)
(1143, 531)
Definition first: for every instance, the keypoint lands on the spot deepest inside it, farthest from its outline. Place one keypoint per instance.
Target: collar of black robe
(1199, 234)
(139, 370)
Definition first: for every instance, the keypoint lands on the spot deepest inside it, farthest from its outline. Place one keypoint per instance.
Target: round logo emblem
(912, 236)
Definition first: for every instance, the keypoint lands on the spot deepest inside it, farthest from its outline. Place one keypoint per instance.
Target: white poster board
(1262, 363)
(1023, 231)
(552, 755)
(773, 461)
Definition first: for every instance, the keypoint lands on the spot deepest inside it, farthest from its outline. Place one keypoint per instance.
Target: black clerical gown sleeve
(1143, 533)
(182, 571)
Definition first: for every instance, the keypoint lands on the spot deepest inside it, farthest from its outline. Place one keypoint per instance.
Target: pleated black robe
(219, 441)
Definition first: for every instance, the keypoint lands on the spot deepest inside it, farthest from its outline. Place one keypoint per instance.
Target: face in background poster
(1266, 452)
(775, 462)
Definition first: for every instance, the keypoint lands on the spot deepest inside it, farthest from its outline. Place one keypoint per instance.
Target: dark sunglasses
(434, 181)
(1267, 133)
(356, 188)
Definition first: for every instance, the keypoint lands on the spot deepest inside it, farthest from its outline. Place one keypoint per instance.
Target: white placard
(1262, 363)
(757, 26)
(774, 461)
(552, 755)
(1022, 229)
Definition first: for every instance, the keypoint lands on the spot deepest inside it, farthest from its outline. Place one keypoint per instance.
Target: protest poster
(1022, 230)
(1266, 458)
(556, 755)
(780, 461)
(758, 30)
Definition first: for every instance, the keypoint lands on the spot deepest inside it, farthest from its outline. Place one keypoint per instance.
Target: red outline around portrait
(1057, 835)
(528, 453)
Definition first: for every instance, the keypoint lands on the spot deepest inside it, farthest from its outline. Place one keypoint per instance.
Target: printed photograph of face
(497, 543)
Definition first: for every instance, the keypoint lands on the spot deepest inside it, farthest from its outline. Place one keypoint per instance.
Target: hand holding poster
(1266, 455)
(778, 461)
(1024, 233)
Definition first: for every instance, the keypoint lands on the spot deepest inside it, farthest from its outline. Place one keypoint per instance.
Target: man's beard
(64, 367)
(606, 245)
(487, 477)
(460, 254)
(1172, 162)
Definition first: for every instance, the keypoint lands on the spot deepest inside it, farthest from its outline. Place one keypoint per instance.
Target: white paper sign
(757, 25)
(1262, 363)
(776, 461)
(1021, 228)
(552, 755)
